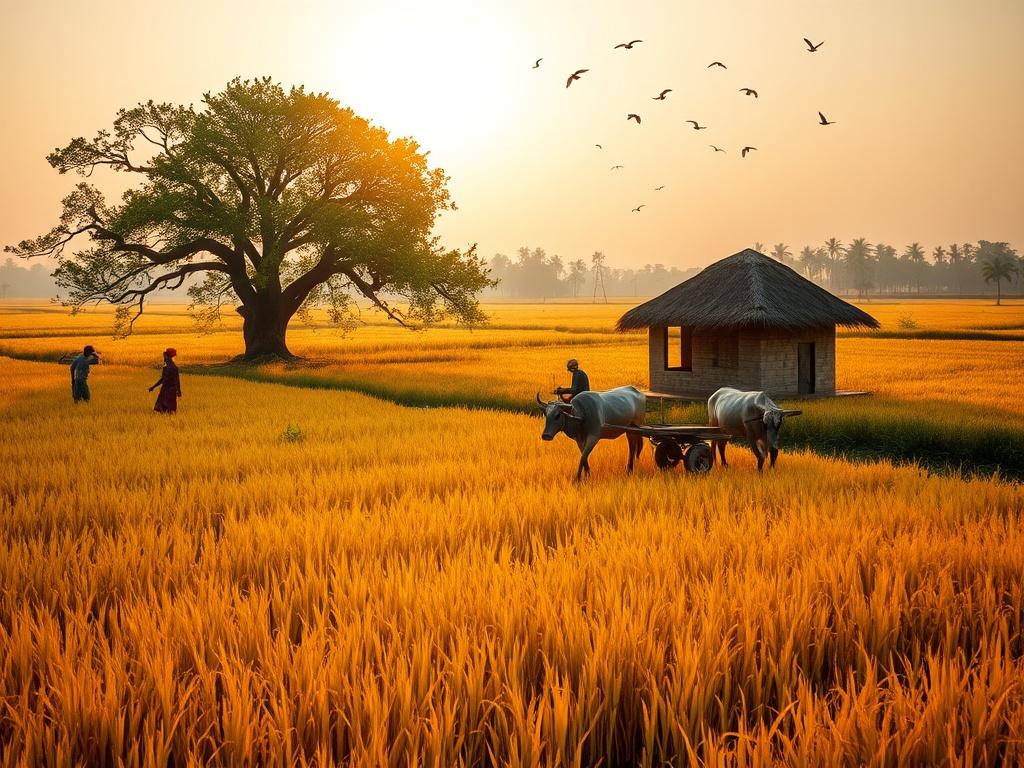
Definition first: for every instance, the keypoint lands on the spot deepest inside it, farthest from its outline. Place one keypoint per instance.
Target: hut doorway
(805, 368)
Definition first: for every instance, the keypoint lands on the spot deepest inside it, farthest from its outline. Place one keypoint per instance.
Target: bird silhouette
(537, 65)
(811, 47)
(749, 92)
(633, 116)
(599, 146)
(716, 64)
(716, 148)
(658, 189)
(575, 76)
(743, 152)
(637, 209)
(696, 125)
(661, 96)
(615, 168)
(822, 120)
(628, 46)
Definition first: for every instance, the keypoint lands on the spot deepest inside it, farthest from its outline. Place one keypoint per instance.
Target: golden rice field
(525, 346)
(425, 586)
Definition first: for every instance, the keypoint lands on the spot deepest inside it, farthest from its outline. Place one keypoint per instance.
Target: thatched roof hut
(747, 321)
(746, 290)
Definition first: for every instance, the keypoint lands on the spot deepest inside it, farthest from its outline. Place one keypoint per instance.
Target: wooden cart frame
(686, 444)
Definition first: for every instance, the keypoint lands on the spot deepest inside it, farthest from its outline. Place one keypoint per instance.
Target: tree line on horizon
(534, 274)
(868, 269)
(861, 268)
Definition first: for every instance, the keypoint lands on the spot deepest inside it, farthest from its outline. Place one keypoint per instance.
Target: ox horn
(540, 402)
(791, 413)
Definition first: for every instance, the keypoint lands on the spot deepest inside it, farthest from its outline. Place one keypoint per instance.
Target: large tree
(276, 200)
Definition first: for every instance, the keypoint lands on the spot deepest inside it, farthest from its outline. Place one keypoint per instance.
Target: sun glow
(448, 80)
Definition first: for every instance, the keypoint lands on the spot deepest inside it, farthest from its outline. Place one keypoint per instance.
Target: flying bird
(615, 167)
(599, 146)
(743, 152)
(749, 92)
(628, 46)
(637, 209)
(661, 96)
(716, 64)
(696, 125)
(633, 116)
(822, 120)
(811, 47)
(537, 65)
(658, 189)
(575, 76)
(716, 148)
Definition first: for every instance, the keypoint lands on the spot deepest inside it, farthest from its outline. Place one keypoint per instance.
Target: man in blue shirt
(580, 381)
(80, 366)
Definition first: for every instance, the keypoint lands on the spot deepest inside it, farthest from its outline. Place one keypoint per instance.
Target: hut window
(725, 351)
(679, 349)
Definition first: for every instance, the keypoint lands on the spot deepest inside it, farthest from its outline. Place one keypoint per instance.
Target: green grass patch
(940, 436)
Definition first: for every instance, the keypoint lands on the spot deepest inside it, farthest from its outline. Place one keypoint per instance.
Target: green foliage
(279, 200)
(293, 434)
(907, 323)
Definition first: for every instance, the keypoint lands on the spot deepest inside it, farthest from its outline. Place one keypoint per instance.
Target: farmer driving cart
(580, 382)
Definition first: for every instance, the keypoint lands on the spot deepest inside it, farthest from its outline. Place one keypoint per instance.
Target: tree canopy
(279, 200)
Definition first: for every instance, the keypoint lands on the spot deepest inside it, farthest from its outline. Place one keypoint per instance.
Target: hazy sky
(926, 95)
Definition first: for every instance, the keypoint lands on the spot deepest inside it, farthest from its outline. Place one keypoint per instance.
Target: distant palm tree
(939, 259)
(956, 258)
(858, 261)
(834, 249)
(915, 255)
(759, 246)
(996, 269)
(781, 252)
(809, 261)
(577, 275)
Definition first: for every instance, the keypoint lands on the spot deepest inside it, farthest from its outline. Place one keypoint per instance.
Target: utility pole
(598, 261)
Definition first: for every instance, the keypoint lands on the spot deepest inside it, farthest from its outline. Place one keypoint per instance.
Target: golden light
(447, 79)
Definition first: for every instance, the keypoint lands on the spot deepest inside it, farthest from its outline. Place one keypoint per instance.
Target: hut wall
(779, 361)
(718, 360)
(752, 360)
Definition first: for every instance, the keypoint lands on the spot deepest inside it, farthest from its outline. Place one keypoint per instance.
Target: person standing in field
(80, 365)
(169, 383)
(580, 381)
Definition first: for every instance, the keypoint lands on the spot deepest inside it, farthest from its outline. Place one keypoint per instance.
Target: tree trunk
(264, 327)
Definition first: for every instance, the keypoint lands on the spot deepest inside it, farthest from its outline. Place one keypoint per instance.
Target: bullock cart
(686, 444)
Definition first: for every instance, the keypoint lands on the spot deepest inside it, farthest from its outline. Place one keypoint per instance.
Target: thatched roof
(746, 290)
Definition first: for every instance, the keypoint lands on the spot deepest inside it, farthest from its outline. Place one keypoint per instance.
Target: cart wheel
(699, 458)
(667, 454)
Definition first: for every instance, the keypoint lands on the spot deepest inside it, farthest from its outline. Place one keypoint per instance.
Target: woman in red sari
(170, 385)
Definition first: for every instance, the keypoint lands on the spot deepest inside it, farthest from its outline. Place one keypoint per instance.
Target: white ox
(593, 416)
(750, 415)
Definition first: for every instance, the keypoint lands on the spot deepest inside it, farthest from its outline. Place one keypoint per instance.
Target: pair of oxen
(594, 416)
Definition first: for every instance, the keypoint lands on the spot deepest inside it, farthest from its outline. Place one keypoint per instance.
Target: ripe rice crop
(426, 586)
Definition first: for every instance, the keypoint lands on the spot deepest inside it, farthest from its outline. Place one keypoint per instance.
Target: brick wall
(779, 361)
(764, 360)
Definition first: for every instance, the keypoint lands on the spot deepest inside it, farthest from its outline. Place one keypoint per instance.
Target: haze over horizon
(925, 147)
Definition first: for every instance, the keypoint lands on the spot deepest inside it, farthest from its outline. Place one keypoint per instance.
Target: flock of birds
(744, 151)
